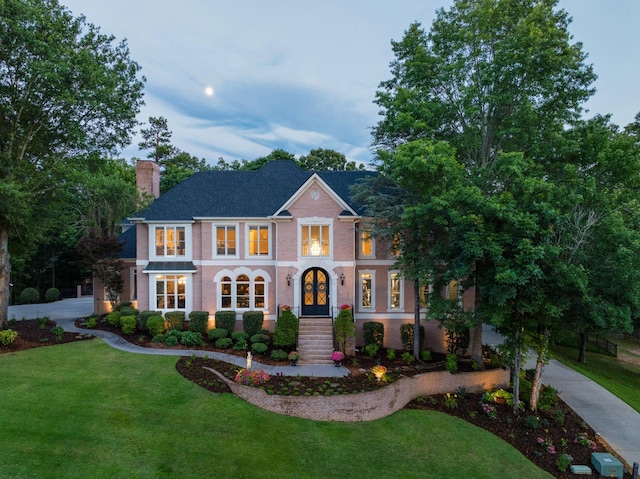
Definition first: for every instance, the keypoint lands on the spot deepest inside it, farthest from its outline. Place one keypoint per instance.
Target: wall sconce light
(288, 280)
(342, 279)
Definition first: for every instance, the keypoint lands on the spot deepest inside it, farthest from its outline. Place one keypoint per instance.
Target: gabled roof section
(243, 193)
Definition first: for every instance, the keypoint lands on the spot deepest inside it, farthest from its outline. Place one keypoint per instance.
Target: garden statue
(249, 358)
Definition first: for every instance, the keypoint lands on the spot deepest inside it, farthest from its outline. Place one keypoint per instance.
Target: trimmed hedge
(224, 343)
(406, 336)
(259, 348)
(252, 322)
(198, 321)
(279, 355)
(114, 319)
(30, 296)
(217, 333)
(144, 316)
(128, 310)
(155, 325)
(51, 295)
(373, 333)
(226, 320)
(128, 324)
(175, 320)
(260, 338)
(238, 335)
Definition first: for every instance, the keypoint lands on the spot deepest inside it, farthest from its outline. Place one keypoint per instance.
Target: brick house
(259, 240)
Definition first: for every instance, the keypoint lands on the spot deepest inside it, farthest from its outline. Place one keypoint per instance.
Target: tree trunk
(5, 277)
(543, 352)
(416, 319)
(475, 348)
(517, 359)
(582, 348)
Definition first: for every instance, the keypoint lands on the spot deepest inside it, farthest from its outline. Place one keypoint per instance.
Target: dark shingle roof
(243, 194)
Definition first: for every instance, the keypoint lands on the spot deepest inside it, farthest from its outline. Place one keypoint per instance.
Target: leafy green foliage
(128, 324)
(451, 363)
(260, 338)
(226, 320)
(155, 325)
(373, 333)
(51, 295)
(344, 328)
(7, 336)
(114, 319)
(58, 332)
(144, 316)
(175, 320)
(29, 296)
(191, 338)
(217, 333)
(285, 333)
(259, 348)
(224, 343)
(198, 321)
(279, 355)
(252, 322)
(406, 336)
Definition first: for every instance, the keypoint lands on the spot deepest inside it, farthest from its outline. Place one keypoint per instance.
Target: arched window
(243, 291)
(258, 292)
(243, 298)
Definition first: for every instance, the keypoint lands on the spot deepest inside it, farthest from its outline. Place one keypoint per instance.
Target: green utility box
(607, 465)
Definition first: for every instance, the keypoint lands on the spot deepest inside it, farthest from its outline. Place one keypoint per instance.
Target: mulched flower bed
(35, 333)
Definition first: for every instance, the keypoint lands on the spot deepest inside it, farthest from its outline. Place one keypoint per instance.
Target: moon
(209, 91)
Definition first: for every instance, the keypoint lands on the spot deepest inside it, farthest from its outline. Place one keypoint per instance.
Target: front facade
(260, 240)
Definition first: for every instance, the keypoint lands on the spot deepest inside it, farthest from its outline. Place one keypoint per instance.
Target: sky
(236, 80)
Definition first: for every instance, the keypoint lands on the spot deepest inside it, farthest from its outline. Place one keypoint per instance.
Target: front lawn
(88, 410)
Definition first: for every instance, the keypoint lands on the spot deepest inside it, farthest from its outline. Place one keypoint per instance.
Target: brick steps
(315, 340)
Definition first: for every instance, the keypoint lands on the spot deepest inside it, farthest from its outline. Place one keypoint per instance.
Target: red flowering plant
(252, 377)
(345, 306)
(286, 307)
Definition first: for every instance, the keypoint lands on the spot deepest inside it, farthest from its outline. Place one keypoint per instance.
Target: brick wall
(374, 404)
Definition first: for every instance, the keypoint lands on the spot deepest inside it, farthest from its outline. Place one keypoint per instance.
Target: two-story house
(259, 240)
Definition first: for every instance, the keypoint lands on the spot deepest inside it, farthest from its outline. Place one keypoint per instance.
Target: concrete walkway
(65, 312)
(614, 420)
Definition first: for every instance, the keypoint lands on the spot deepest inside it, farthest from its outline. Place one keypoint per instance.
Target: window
(242, 292)
(395, 291)
(225, 296)
(170, 240)
(315, 240)
(425, 291)
(452, 292)
(133, 283)
(366, 243)
(171, 291)
(226, 240)
(366, 291)
(394, 247)
(258, 241)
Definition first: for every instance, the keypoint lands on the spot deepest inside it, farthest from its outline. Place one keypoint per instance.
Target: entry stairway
(315, 340)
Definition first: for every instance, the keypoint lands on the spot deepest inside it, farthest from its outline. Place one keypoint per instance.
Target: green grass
(618, 377)
(87, 410)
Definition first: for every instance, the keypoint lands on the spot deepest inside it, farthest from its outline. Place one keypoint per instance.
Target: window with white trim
(367, 290)
(315, 240)
(258, 237)
(396, 289)
(452, 291)
(242, 292)
(225, 240)
(170, 241)
(170, 291)
(133, 283)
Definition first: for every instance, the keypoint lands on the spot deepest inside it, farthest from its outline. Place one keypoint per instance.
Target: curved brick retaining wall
(373, 404)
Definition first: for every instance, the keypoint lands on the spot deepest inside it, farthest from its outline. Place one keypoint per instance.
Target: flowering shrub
(293, 355)
(451, 401)
(490, 410)
(286, 307)
(252, 377)
(584, 440)
(337, 356)
(345, 306)
(547, 445)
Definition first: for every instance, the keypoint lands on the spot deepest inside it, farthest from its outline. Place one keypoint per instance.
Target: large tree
(67, 92)
(321, 159)
(490, 76)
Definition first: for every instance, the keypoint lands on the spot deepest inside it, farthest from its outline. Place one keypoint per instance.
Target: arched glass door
(315, 292)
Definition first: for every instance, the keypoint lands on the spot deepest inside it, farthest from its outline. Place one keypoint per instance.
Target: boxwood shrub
(252, 322)
(217, 333)
(29, 296)
(238, 335)
(198, 321)
(259, 348)
(155, 325)
(128, 324)
(373, 333)
(286, 330)
(175, 320)
(114, 319)
(226, 320)
(128, 310)
(279, 355)
(144, 316)
(51, 295)
(260, 338)
(191, 338)
(224, 343)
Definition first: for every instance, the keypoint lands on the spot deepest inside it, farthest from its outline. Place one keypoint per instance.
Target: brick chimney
(148, 177)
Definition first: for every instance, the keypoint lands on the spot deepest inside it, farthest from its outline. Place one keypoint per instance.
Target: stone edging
(371, 405)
